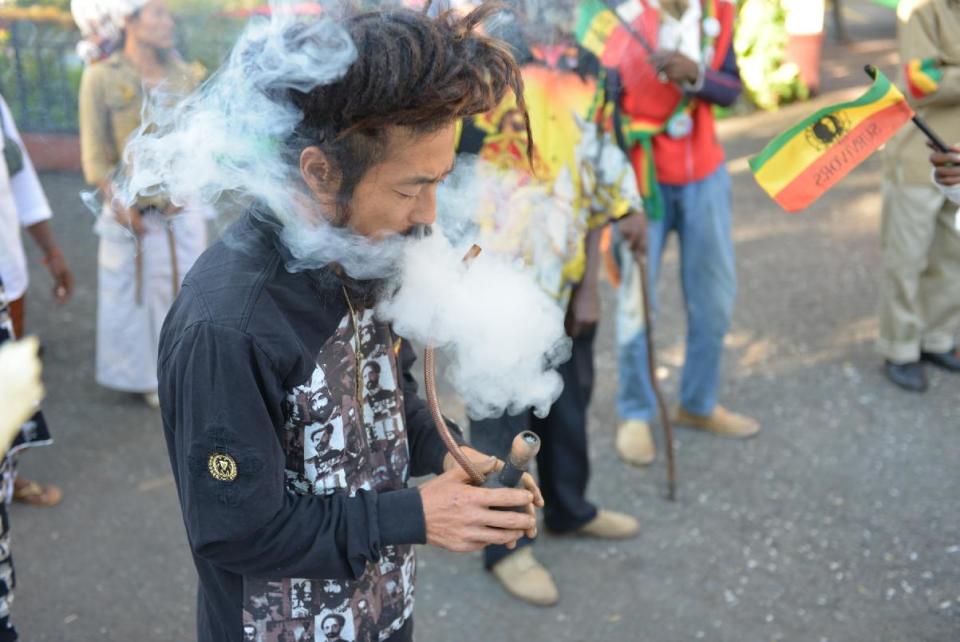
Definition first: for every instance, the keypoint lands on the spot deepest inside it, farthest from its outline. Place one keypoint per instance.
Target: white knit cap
(101, 23)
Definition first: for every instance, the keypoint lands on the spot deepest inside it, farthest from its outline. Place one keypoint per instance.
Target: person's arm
(28, 195)
(718, 86)
(53, 258)
(98, 150)
(616, 198)
(929, 80)
(221, 395)
(584, 310)
(721, 86)
(34, 211)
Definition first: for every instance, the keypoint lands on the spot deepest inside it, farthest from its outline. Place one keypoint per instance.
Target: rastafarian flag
(813, 156)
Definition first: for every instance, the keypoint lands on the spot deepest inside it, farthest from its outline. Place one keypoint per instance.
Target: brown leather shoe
(522, 576)
(721, 422)
(609, 524)
(35, 494)
(634, 442)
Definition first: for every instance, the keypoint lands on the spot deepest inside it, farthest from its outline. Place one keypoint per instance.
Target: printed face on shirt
(321, 438)
(332, 586)
(371, 373)
(331, 627)
(396, 194)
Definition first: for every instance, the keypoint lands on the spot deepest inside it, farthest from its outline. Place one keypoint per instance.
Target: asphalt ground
(840, 522)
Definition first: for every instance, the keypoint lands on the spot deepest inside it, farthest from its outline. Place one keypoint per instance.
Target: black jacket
(287, 476)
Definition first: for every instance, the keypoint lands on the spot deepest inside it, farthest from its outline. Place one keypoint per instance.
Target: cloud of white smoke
(227, 145)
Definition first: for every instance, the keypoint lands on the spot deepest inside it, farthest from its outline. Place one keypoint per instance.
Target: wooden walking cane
(641, 259)
(612, 92)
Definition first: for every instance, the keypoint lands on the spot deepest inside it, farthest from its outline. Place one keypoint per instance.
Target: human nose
(426, 212)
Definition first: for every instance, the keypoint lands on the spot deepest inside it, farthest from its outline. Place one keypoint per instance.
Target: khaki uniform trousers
(920, 291)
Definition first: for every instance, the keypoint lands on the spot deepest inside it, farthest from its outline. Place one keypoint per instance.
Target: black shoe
(909, 376)
(948, 360)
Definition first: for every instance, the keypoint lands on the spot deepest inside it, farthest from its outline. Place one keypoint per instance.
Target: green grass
(890, 4)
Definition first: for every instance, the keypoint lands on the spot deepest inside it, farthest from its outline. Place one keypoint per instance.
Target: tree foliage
(770, 80)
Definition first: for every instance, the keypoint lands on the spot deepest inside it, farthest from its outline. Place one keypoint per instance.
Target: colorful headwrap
(101, 23)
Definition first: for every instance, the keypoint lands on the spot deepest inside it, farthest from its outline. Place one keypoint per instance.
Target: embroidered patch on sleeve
(923, 76)
(223, 468)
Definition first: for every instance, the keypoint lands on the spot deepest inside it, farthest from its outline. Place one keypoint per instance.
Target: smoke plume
(228, 146)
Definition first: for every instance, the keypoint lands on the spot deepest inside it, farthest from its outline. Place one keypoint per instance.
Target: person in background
(147, 248)
(667, 104)
(586, 181)
(920, 289)
(23, 204)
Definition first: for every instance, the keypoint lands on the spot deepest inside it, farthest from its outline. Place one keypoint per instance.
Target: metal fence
(40, 77)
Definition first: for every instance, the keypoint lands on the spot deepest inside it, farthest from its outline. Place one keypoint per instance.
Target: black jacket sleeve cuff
(401, 518)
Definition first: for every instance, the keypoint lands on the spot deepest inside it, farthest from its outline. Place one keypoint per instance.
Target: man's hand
(480, 461)
(130, 218)
(584, 311)
(947, 166)
(675, 66)
(42, 235)
(633, 227)
(62, 276)
(172, 210)
(463, 518)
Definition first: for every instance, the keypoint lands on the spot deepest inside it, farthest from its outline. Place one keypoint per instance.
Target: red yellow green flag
(798, 166)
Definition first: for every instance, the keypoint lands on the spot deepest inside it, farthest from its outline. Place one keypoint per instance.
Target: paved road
(841, 522)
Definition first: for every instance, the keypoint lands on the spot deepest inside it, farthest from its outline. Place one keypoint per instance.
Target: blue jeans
(700, 214)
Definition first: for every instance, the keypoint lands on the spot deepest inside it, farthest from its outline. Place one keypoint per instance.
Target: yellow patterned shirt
(581, 179)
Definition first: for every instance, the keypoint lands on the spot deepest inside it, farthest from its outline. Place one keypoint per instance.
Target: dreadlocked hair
(411, 71)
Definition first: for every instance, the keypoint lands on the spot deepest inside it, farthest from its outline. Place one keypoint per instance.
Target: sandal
(35, 494)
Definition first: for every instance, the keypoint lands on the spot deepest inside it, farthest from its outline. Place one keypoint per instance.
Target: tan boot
(634, 442)
(609, 524)
(721, 422)
(523, 577)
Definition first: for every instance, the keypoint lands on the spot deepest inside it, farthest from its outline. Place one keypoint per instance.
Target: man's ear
(318, 173)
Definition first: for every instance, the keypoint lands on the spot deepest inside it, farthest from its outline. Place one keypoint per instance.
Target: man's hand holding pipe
(480, 460)
(464, 518)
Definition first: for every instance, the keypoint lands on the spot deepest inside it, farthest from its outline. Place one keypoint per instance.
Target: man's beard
(364, 259)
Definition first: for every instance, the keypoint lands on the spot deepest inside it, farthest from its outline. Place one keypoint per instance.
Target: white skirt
(137, 281)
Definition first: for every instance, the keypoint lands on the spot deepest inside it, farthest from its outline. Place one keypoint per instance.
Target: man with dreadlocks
(254, 357)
